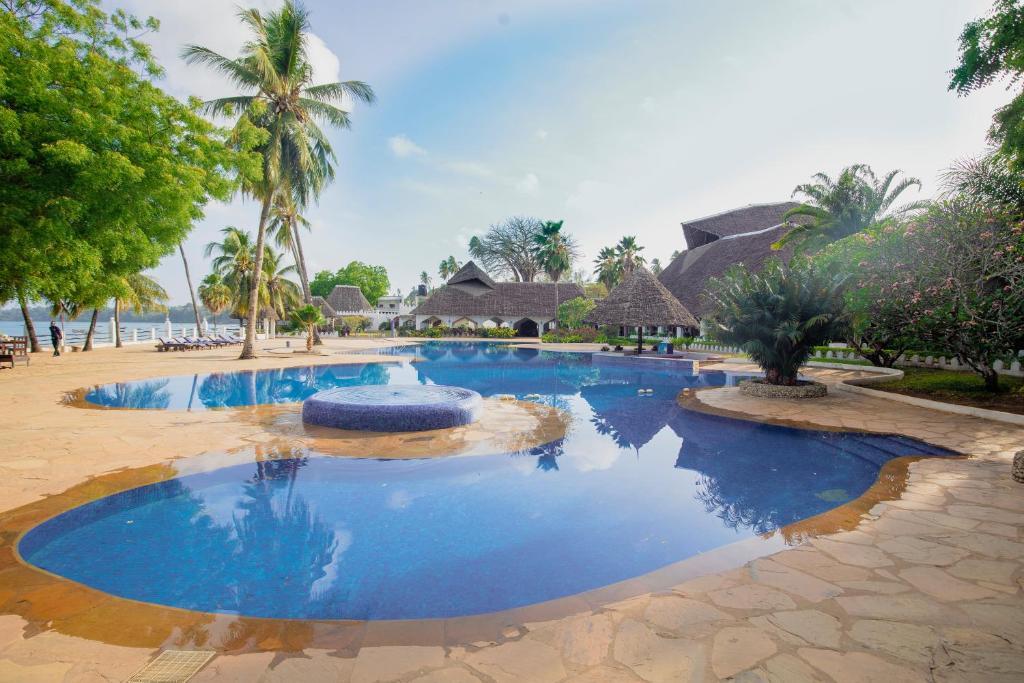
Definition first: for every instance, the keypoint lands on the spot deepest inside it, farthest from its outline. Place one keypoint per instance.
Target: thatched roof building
(715, 243)
(641, 300)
(348, 299)
(472, 298)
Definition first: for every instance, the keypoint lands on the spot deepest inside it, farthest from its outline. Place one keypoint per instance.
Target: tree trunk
(117, 323)
(92, 330)
(639, 340)
(191, 292)
(300, 262)
(30, 328)
(249, 347)
(991, 378)
(309, 339)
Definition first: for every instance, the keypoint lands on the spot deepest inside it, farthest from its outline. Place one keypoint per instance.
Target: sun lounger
(169, 345)
(199, 343)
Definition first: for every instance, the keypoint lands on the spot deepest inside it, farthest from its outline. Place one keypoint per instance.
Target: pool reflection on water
(636, 484)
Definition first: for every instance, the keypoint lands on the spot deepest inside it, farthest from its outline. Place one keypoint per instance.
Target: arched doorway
(526, 328)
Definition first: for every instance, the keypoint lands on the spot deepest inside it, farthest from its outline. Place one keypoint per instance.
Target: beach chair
(14, 350)
(199, 343)
(168, 345)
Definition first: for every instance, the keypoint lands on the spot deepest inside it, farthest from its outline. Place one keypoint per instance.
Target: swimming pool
(637, 484)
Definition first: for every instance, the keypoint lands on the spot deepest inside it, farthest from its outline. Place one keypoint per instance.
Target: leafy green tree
(836, 208)
(309, 318)
(992, 48)
(372, 281)
(962, 284)
(101, 173)
(274, 75)
(880, 324)
(573, 312)
(778, 315)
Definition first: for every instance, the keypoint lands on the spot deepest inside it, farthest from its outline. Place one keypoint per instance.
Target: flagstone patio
(924, 586)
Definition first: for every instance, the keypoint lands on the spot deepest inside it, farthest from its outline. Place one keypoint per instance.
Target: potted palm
(778, 316)
(308, 317)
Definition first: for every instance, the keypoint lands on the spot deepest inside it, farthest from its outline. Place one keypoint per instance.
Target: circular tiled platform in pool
(394, 408)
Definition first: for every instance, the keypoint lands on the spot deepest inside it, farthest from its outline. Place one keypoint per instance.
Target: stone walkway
(927, 587)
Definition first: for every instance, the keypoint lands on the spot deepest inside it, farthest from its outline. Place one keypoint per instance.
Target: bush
(571, 313)
(497, 332)
(582, 335)
(682, 342)
(778, 315)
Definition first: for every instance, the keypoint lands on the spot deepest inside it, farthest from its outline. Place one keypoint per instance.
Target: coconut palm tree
(607, 268)
(278, 293)
(274, 75)
(285, 221)
(308, 317)
(656, 266)
(448, 267)
(425, 279)
(234, 262)
(214, 294)
(628, 253)
(836, 208)
(139, 292)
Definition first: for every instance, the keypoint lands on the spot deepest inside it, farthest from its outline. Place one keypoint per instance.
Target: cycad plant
(778, 315)
(308, 317)
(836, 208)
(274, 74)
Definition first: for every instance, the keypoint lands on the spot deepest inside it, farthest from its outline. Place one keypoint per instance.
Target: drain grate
(173, 666)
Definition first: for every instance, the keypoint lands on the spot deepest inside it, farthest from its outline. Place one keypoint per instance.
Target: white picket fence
(1012, 369)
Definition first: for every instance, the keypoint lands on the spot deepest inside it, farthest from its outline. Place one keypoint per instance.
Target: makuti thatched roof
(713, 244)
(641, 300)
(347, 298)
(472, 280)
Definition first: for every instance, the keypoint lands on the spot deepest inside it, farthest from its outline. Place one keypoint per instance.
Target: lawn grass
(964, 388)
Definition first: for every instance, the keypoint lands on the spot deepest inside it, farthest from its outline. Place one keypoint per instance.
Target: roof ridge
(738, 208)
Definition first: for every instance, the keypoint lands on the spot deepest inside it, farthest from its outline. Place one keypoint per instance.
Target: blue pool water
(638, 483)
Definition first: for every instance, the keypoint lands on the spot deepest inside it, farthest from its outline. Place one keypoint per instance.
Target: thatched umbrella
(641, 300)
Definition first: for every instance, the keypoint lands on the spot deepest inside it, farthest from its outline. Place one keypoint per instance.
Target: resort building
(342, 301)
(472, 299)
(714, 243)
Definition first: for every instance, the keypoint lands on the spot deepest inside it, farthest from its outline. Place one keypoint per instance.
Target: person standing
(55, 337)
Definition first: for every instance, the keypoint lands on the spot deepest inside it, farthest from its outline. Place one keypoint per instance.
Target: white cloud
(541, 134)
(528, 184)
(401, 146)
(326, 64)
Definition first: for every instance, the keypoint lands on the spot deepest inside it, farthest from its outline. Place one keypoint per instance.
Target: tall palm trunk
(191, 292)
(30, 328)
(117, 323)
(92, 330)
(300, 261)
(249, 347)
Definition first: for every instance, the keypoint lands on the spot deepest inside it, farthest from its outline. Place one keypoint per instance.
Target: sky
(620, 117)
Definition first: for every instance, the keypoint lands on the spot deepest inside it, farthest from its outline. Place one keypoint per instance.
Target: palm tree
(278, 293)
(309, 317)
(274, 74)
(448, 267)
(139, 292)
(554, 252)
(425, 279)
(628, 253)
(607, 268)
(285, 221)
(214, 294)
(656, 266)
(191, 291)
(234, 263)
(835, 209)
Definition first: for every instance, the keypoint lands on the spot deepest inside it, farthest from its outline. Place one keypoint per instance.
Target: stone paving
(926, 587)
